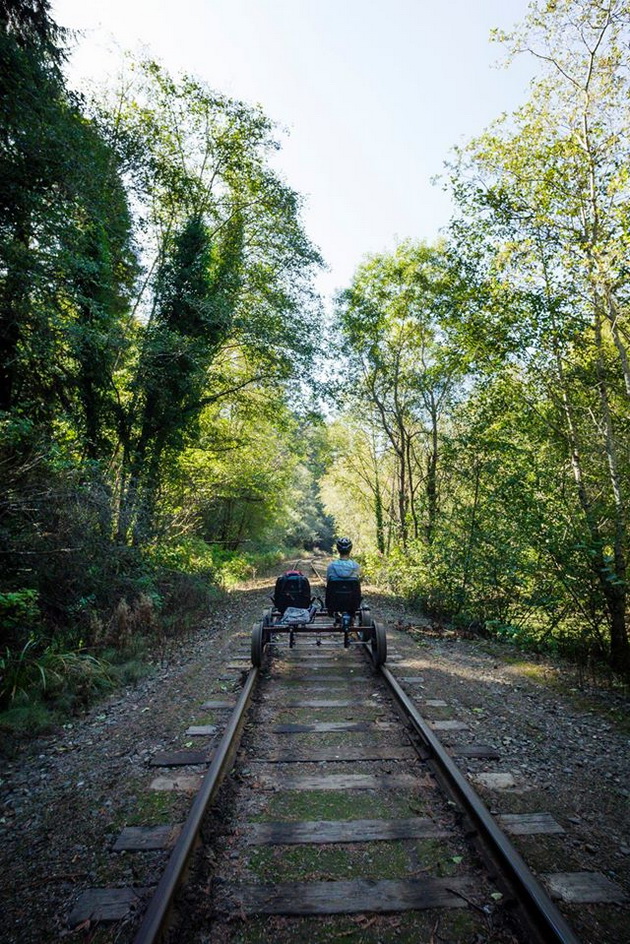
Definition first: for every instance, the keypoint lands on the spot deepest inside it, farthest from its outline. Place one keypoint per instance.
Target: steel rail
(317, 573)
(156, 915)
(538, 907)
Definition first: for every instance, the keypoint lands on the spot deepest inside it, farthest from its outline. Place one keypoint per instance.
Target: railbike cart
(343, 613)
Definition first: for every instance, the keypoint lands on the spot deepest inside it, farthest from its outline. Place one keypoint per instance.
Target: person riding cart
(343, 586)
(344, 568)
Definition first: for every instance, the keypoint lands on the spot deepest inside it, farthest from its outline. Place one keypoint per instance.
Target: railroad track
(351, 820)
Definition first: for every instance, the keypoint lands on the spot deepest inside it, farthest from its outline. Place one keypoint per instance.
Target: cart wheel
(379, 645)
(258, 644)
(267, 622)
(367, 625)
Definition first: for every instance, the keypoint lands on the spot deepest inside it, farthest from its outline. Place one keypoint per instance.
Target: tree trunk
(13, 304)
(402, 501)
(431, 489)
(615, 588)
(612, 314)
(616, 602)
(378, 516)
(471, 537)
(402, 484)
(411, 488)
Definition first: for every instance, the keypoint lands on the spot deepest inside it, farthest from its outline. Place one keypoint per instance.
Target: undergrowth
(56, 661)
(518, 612)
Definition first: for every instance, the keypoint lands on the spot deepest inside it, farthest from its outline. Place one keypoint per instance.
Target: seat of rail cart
(343, 596)
(301, 598)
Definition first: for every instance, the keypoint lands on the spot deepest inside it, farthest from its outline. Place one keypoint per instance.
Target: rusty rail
(156, 916)
(540, 912)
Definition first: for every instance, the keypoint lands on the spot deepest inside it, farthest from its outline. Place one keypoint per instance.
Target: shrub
(18, 671)
(188, 555)
(19, 616)
(46, 674)
(19, 608)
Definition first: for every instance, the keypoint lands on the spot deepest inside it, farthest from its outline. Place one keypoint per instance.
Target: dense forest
(162, 349)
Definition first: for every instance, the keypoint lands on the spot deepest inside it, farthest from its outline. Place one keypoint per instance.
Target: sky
(370, 95)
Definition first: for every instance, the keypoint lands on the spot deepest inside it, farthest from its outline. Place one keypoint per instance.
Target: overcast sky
(372, 94)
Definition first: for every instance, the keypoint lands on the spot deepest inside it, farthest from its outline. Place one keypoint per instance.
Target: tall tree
(31, 113)
(391, 317)
(227, 268)
(67, 263)
(551, 189)
(196, 289)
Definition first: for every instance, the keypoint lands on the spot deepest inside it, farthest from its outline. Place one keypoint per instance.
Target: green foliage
(152, 271)
(41, 688)
(229, 273)
(510, 501)
(158, 330)
(544, 204)
(19, 609)
(213, 563)
(234, 568)
(64, 248)
(189, 555)
(407, 373)
(71, 679)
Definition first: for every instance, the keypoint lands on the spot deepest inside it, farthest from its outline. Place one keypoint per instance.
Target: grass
(43, 690)
(330, 862)
(296, 805)
(32, 716)
(156, 808)
(396, 859)
(129, 671)
(336, 861)
(418, 927)
(565, 679)
(552, 678)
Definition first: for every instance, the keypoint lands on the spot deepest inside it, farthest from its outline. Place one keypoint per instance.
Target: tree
(67, 262)
(228, 268)
(356, 485)
(154, 272)
(32, 107)
(195, 289)
(248, 478)
(550, 188)
(391, 318)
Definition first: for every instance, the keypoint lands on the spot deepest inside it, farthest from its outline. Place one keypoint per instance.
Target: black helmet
(344, 545)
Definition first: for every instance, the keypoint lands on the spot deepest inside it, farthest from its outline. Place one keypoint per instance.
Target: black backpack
(292, 589)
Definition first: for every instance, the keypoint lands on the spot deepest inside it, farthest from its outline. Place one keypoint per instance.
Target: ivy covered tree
(227, 271)
(196, 287)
